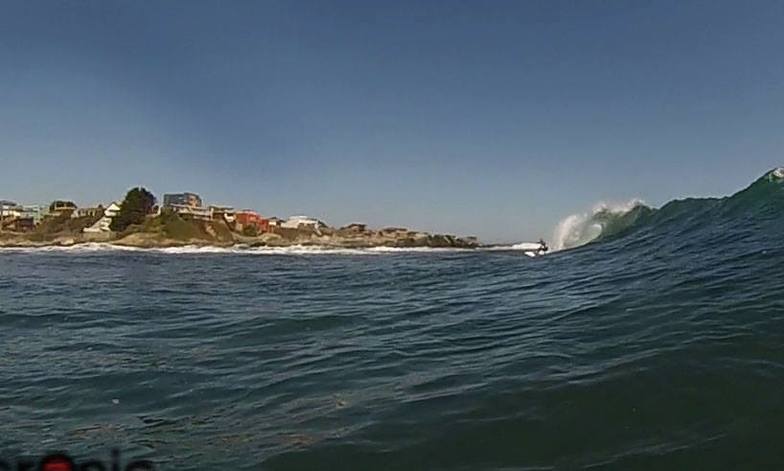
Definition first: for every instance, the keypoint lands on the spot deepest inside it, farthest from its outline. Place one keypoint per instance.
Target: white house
(195, 212)
(295, 222)
(89, 211)
(112, 211)
(33, 211)
(106, 220)
(226, 212)
(10, 209)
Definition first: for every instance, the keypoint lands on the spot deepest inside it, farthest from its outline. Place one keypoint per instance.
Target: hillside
(170, 229)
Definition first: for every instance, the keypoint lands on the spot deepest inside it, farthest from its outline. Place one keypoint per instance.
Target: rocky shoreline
(343, 238)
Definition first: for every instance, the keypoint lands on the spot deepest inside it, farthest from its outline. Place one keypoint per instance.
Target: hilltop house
(9, 209)
(59, 207)
(249, 218)
(19, 218)
(103, 224)
(34, 212)
(192, 212)
(226, 213)
(88, 212)
(300, 222)
(187, 204)
(182, 199)
(355, 228)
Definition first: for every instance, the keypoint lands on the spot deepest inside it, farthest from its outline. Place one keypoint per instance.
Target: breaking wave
(761, 201)
(580, 229)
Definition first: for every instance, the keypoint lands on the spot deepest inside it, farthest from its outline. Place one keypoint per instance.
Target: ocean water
(660, 345)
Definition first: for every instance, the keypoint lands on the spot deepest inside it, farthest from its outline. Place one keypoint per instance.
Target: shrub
(137, 204)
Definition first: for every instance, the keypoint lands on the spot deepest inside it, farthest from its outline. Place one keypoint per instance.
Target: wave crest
(579, 229)
(762, 201)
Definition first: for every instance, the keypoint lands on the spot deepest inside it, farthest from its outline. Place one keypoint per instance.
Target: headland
(181, 226)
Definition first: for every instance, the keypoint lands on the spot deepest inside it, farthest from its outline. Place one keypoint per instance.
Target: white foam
(495, 248)
(521, 246)
(414, 249)
(75, 248)
(237, 249)
(579, 229)
(528, 246)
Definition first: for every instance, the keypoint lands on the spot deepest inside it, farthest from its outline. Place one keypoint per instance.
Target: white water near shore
(238, 249)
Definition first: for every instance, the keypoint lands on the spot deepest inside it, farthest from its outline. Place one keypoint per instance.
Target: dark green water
(660, 347)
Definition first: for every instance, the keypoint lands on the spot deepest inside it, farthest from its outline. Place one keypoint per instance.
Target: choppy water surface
(662, 348)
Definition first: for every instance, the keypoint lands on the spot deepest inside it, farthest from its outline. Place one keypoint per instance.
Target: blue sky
(492, 118)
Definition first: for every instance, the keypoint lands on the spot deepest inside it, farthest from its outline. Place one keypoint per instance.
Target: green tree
(137, 204)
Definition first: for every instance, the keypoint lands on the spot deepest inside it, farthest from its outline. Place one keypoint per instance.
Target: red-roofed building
(248, 218)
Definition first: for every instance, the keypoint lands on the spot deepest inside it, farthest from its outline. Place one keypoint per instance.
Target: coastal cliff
(171, 230)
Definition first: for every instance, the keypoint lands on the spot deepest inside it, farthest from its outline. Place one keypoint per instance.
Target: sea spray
(762, 200)
(579, 229)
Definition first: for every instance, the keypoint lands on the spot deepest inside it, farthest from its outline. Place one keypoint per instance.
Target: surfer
(533, 249)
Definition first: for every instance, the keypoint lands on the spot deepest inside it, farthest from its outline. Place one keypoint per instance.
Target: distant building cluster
(191, 205)
(16, 217)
